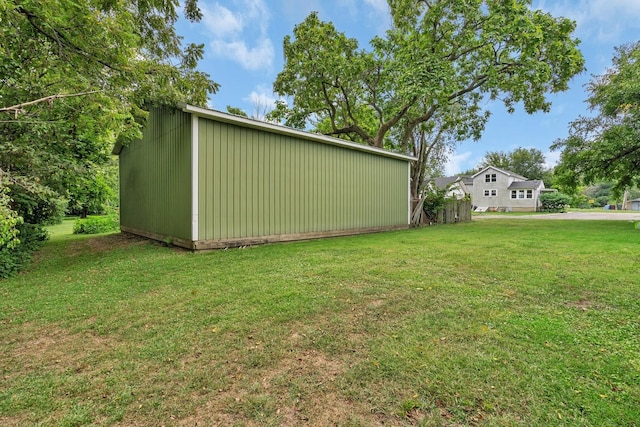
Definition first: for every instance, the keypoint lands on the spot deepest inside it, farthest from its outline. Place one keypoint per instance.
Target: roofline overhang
(283, 130)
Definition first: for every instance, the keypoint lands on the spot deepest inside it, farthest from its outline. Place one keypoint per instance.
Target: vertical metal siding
(255, 183)
(155, 177)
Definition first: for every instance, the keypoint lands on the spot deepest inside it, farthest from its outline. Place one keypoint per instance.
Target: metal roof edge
(283, 130)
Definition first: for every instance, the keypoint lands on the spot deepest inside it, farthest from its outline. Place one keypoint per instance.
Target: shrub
(13, 259)
(9, 219)
(434, 202)
(554, 201)
(97, 224)
(38, 205)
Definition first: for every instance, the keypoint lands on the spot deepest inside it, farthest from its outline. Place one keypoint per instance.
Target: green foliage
(89, 197)
(602, 193)
(526, 162)
(9, 219)
(97, 224)
(237, 111)
(607, 146)
(554, 201)
(37, 204)
(15, 257)
(76, 78)
(580, 201)
(434, 201)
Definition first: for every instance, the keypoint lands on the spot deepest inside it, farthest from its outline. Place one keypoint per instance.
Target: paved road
(619, 216)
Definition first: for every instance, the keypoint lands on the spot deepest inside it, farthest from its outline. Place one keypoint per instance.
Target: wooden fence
(455, 211)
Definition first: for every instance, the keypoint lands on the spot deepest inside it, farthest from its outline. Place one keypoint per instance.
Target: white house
(496, 189)
(456, 186)
(502, 190)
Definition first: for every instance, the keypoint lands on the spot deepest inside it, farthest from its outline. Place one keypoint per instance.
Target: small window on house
(486, 193)
(494, 192)
(521, 194)
(514, 194)
(529, 194)
(490, 177)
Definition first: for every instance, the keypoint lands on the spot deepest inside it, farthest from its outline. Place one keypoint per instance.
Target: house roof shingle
(525, 184)
(444, 181)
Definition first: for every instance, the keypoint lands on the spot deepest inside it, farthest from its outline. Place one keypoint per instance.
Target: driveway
(616, 216)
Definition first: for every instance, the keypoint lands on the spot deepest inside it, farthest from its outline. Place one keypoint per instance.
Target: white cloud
(221, 21)
(380, 6)
(262, 102)
(552, 158)
(257, 57)
(241, 34)
(261, 95)
(255, 11)
(603, 20)
(380, 14)
(455, 163)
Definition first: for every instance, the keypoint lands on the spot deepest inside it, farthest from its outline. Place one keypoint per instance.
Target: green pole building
(203, 179)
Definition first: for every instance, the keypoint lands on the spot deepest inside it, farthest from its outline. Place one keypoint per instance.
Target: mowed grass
(497, 323)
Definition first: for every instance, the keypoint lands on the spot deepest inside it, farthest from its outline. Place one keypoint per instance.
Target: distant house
(457, 186)
(634, 204)
(502, 190)
(496, 189)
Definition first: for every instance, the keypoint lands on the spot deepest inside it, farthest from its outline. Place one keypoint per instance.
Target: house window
(490, 193)
(521, 194)
(490, 177)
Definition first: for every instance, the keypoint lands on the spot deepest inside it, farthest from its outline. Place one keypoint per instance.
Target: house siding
(155, 178)
(503, 199)
(254, 183)
(479, 185)
(523, 205)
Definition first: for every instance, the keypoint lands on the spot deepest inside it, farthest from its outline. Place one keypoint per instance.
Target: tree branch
(61, 40)
(385, 127)
(19, 107)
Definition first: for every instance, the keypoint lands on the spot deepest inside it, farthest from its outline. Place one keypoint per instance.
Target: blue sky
(243, 52)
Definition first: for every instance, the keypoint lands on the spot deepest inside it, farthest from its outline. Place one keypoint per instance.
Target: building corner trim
(409, 193)
(194, 178)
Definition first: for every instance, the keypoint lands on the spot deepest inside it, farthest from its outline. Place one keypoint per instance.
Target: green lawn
(530, 323)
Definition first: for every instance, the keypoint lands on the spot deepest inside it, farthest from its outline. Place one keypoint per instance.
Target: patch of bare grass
(99, 244)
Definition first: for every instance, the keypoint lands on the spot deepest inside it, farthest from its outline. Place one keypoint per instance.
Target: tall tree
(606, 146)
(77, 75)
(431, 72)
(528, 162)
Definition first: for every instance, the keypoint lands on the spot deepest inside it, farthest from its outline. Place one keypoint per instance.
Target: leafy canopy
(606, 146)
(75, 76)
(428, 77)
